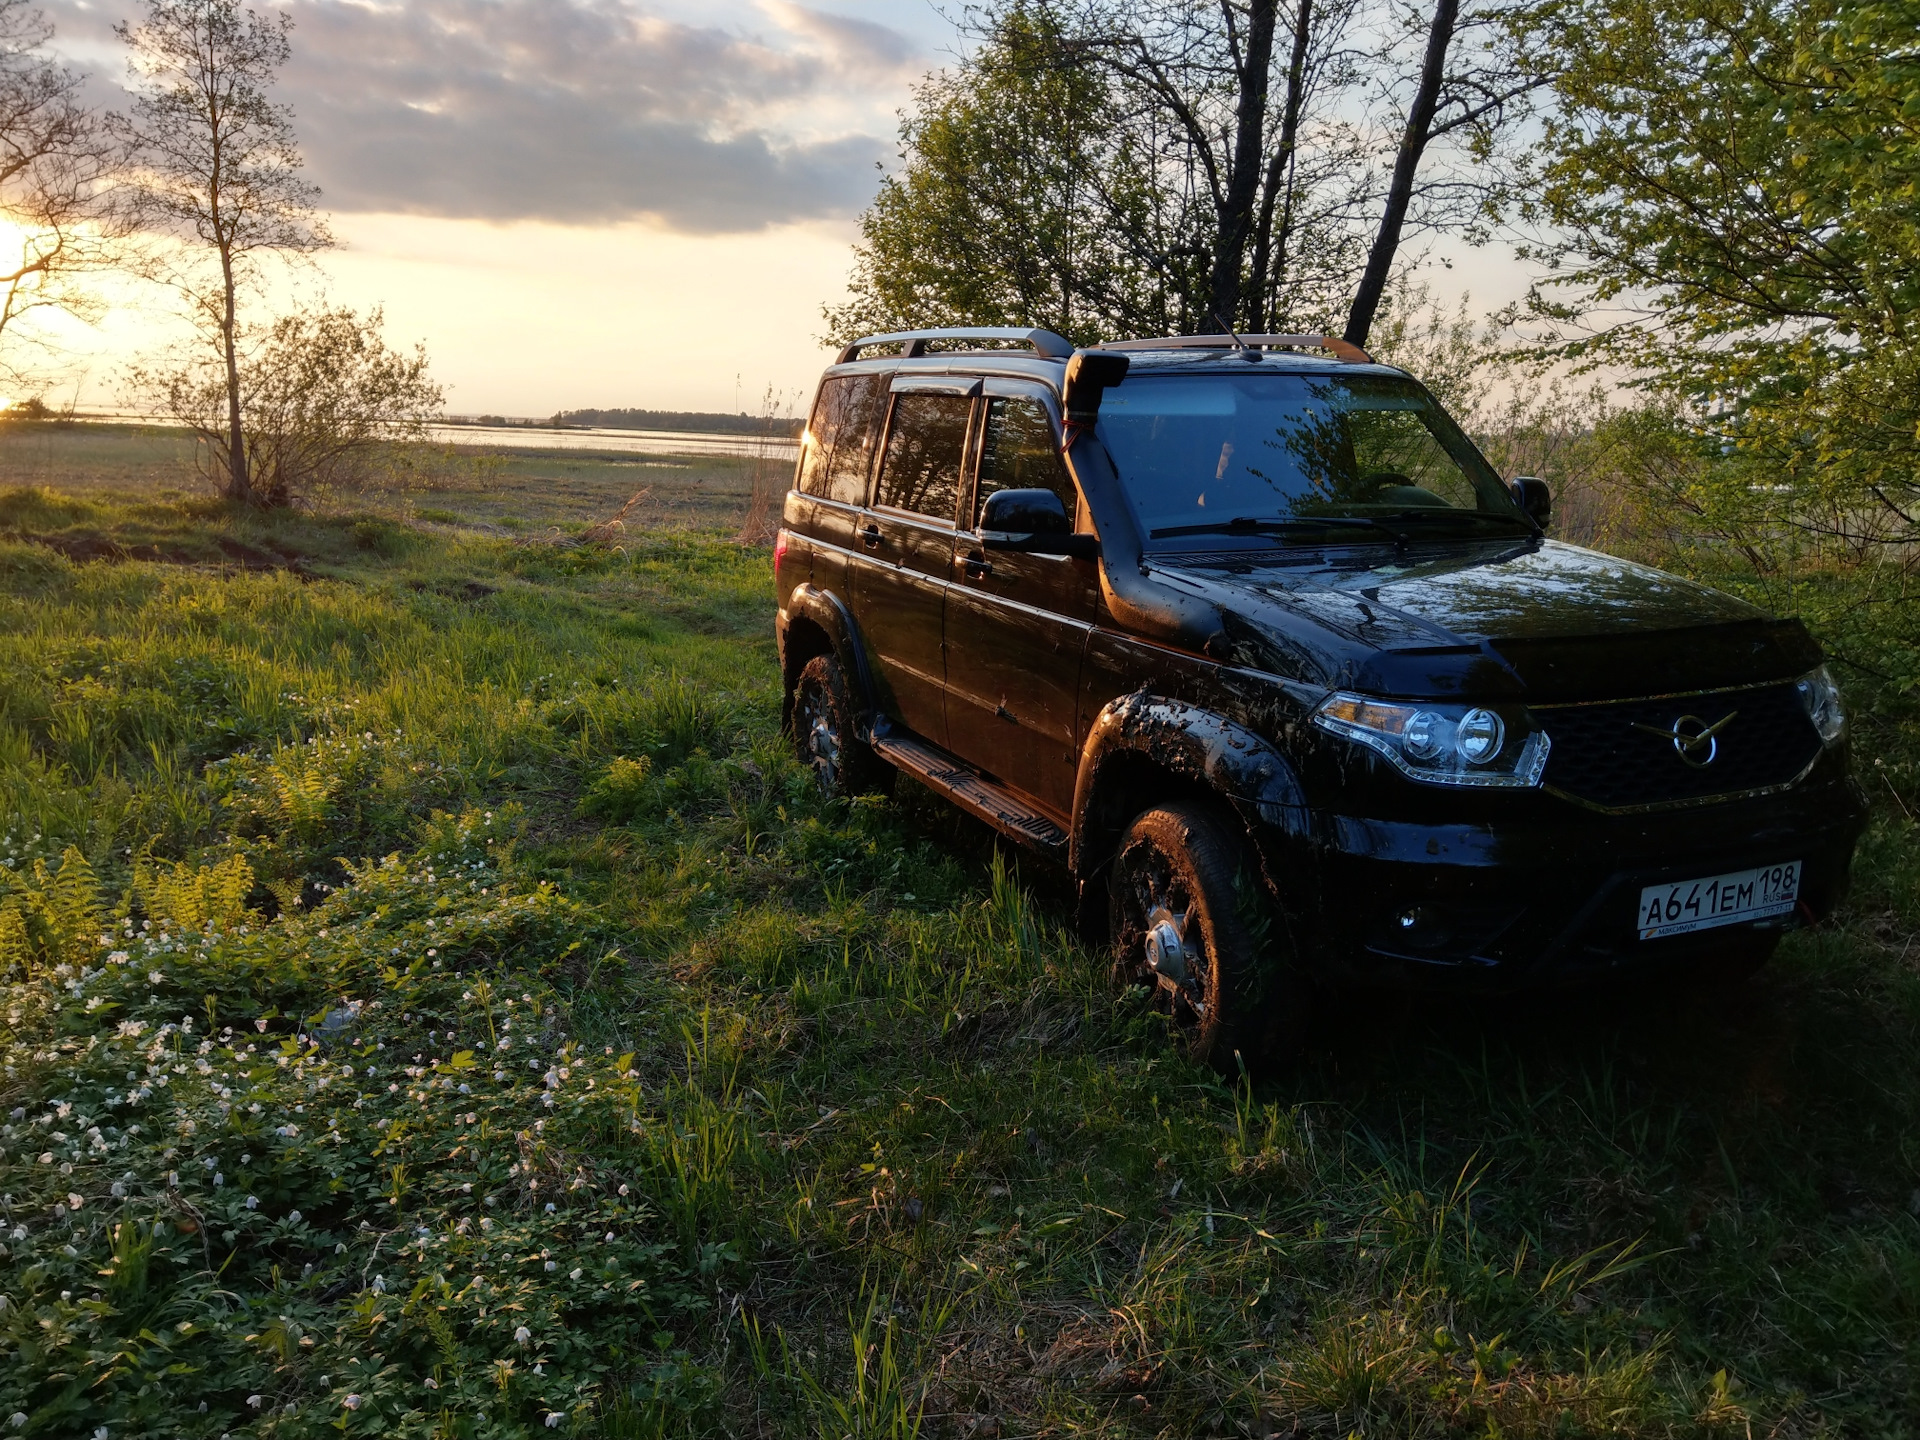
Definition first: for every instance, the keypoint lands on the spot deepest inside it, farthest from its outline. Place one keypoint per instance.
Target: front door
(904, 549)
(1016, 624)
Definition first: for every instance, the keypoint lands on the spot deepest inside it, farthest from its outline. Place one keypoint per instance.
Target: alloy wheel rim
(1171, 950)
(822, 741)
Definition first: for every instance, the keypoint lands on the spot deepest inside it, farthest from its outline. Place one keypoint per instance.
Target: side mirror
(1535, 498)
(1036, 512)
(1033, 522)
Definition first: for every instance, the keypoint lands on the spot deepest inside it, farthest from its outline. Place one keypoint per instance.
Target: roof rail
(1045, 343)
(1340, 349)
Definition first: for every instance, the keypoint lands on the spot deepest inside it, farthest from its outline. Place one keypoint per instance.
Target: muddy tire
(824, 737)
(1191, 918)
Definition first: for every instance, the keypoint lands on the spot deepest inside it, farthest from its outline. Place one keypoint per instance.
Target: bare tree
(215, 166)
(54, 165)
(1470, 86)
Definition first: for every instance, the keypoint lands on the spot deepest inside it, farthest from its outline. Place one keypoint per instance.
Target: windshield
(1221, 454)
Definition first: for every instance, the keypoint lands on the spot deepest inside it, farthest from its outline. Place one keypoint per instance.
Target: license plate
(1719, 900)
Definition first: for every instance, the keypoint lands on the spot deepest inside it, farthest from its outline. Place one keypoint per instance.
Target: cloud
(586, 111)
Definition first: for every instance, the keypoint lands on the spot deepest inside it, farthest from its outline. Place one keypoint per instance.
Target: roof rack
(1045, 343)
(1340, 349)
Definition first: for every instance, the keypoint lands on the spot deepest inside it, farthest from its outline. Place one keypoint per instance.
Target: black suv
(1247, 634)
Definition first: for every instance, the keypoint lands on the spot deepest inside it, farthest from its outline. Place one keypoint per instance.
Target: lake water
(627, 442)
(539, 437)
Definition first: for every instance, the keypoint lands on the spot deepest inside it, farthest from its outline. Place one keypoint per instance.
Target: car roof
(1016, 365)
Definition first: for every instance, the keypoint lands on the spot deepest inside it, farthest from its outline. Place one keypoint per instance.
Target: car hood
(1544, 620)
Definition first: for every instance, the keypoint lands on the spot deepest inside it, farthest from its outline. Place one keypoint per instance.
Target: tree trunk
(1406, 165)
(1243, 182)
(1280, 178)
(239, 487)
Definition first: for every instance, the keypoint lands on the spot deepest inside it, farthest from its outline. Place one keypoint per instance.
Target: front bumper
(1550, 897)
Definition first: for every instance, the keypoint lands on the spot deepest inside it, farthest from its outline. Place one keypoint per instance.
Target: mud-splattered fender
(827, 612)
(1193, 744)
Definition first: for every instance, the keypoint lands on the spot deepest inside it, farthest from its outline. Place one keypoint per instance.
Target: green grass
(880, 1152)
(486, 491)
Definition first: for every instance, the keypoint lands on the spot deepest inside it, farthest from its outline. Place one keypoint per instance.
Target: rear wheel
(824, 737)
(1189, 917)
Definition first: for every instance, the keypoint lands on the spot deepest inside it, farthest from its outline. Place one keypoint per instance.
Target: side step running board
(999, 807)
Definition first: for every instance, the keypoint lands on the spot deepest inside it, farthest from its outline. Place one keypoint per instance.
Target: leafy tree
(215, 166)
(1734, 183)
(323, 400)
(993, 219)
(1122, 166)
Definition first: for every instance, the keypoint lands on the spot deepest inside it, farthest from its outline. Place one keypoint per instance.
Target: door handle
(978, 567)
(870, 537)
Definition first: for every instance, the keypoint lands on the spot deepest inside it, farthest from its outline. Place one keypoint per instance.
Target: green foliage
(992, 221)
(1745, 177)
(279, 1201)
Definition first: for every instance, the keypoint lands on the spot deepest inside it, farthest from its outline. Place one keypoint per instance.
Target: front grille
(1600, 757)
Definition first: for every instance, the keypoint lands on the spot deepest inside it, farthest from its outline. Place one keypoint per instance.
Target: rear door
(1017, 624)
(904, 547)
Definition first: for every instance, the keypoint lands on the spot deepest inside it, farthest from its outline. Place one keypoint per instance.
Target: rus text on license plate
(1719, 900)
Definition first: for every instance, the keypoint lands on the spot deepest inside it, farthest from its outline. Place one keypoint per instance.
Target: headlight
(1822, 699)
(1441, 744)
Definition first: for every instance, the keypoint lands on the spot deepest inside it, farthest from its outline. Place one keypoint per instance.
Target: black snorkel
(1137, 600)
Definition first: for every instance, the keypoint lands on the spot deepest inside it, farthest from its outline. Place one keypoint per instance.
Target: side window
(829, 414)
(1018, 452)
(865, 406)
(921, 471)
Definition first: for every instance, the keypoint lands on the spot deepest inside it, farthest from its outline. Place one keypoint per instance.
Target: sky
(588, 203)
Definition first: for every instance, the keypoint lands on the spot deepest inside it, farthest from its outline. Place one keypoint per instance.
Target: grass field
(436, 1004)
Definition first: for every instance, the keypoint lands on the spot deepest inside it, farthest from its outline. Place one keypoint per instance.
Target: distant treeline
(741, 424)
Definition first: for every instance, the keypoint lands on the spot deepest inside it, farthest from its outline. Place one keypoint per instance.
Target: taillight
(780, 549)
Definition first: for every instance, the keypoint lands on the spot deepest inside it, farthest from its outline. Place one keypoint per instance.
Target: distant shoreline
(710, 423)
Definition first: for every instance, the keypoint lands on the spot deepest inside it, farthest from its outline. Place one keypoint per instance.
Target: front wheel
(1190, 918)
(824, 738)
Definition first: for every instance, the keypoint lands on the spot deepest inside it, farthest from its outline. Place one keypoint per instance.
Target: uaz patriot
(1247, 634)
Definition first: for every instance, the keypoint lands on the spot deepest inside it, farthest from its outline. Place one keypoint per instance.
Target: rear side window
(1018, 452)
(921, 471)
(829, 407)
(840, 437)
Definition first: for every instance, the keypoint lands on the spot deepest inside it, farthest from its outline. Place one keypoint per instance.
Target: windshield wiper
(1250, 525)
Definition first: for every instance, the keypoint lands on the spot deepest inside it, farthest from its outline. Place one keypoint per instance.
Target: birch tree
(215, 169)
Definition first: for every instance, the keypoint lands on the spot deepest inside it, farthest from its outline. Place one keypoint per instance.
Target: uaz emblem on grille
(1694, 740)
